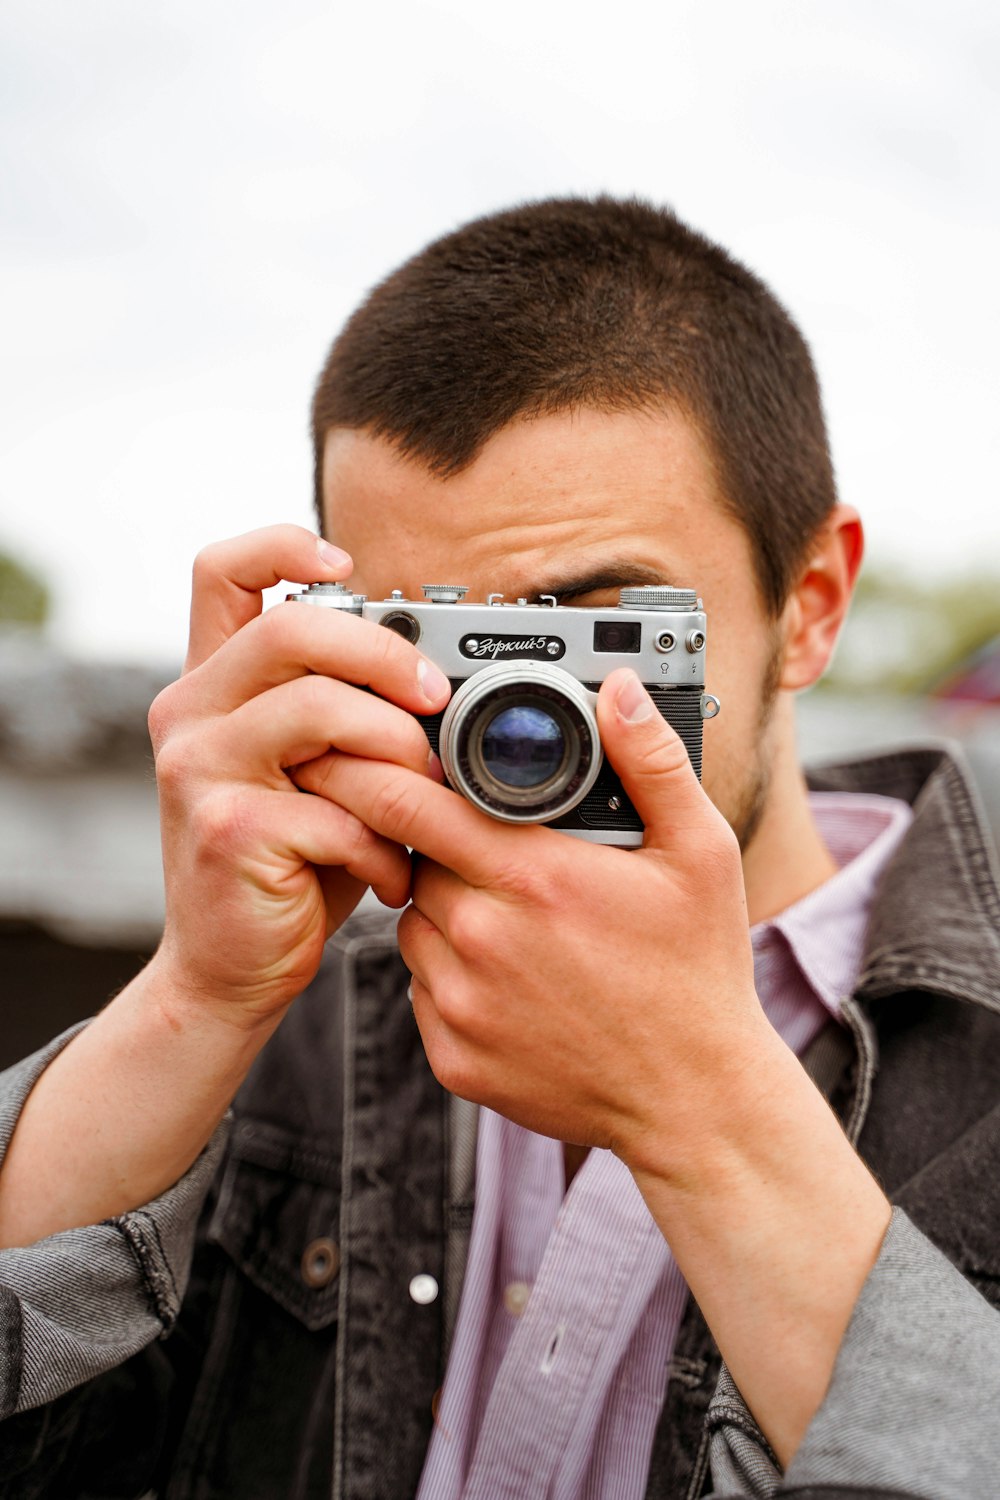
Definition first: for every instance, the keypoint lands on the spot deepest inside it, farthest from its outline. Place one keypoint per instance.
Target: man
(561, 400)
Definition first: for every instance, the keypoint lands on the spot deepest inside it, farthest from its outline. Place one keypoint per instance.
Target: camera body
(519, 737)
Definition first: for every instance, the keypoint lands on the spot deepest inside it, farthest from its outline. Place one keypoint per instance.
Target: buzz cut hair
(611, 304)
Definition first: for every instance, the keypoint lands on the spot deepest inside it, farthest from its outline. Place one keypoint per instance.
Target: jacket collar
(935, 922)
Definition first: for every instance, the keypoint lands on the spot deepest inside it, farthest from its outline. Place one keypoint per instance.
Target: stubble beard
(745, 817)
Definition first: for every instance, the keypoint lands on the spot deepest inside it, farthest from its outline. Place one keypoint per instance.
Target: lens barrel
(521, 742)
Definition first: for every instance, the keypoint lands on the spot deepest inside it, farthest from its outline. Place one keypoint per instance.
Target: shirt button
(423, 1289)
(515, 1297)
(320, 1263)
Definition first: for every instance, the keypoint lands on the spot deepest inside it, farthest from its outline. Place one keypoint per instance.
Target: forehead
(545, 498)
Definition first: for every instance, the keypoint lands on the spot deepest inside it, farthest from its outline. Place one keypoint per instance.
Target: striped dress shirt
(572, 1301)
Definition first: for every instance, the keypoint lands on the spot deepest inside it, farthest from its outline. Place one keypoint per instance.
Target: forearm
(775, 1223)
(123, 1111)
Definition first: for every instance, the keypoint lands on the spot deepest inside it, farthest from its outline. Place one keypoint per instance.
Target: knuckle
(319, 777)
(390, 805)
(470, 925)
(719, 867)
(207, 566)
(315, 695)
(453, 1007)
(662, 758)
(524, 881)
(451, 1068)
(220, 822)
(360, 844)
(281, 627)
(173, 765)
(162, 714)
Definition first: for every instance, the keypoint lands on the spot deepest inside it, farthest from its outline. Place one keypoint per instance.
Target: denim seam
(867, 1059)
(349, 948)
(701, 1463)
(257, 1150)
(728, 1415)
(12, 1327)
(140, 1235)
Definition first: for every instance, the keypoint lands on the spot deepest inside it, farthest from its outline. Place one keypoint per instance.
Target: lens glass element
(523, 746)
(520, 740)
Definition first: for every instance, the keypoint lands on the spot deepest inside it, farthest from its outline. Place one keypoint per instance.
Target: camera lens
(523, 746)
(520, 741)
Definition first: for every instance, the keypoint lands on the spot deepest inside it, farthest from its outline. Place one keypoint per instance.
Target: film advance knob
(330, 596)
(444, 593)
(657, 596)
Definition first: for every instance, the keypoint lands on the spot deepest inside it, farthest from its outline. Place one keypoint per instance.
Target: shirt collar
(825, 930)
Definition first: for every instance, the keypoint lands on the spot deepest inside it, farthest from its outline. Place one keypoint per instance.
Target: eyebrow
(610, 575)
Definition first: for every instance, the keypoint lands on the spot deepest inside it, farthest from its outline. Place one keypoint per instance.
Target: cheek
(733, 742)
(724, 753)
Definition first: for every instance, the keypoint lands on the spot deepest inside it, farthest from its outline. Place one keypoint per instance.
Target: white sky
(194, 196)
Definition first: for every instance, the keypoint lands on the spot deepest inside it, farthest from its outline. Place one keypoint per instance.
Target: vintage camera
(519, 736)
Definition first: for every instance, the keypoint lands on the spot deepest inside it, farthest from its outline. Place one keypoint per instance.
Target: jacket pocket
(277, 1217)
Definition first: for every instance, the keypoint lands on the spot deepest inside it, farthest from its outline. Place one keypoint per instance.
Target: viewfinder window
(617, 635)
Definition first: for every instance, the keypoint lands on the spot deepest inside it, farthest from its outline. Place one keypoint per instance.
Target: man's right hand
(258, 873)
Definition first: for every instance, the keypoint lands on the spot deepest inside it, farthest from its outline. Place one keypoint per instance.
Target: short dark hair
(604, 303)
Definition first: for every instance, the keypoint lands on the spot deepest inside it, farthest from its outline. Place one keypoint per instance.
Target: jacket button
(320, 1263)
(423, 1289)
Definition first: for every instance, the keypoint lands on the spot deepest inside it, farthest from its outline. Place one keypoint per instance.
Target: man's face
(577, 505)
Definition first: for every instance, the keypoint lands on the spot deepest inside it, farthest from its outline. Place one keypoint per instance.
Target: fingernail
(329, 555)
(634, 703)
(433, 683)
(435, 768)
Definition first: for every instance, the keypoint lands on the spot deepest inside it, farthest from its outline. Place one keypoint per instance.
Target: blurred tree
(904, 634)
(24, 599)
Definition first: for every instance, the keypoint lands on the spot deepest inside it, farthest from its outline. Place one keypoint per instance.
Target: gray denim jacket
(271, 1349)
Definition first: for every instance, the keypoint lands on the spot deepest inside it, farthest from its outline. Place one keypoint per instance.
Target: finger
(341, 894)
(430, 818)
(445, 1050)
(652, 762)
(229, 577)
(452, 1051)
(293, 640)
(298, 721)
(277, 830)
(425, 953)
(436, 893)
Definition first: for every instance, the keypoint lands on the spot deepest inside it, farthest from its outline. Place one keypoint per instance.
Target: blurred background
(193, 198)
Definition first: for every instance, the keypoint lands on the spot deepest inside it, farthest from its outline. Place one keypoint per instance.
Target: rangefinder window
(403, 624)
(617, 635)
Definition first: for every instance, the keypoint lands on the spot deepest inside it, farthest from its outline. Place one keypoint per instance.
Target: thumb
(652, 761)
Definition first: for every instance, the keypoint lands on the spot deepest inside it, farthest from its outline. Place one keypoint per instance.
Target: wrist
(694, 1132)
(180, 1007)
(775, 1223)
(189, 1001)
(762, 1143)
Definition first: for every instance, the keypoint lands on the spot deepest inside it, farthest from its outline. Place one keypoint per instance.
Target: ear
(818, 603)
